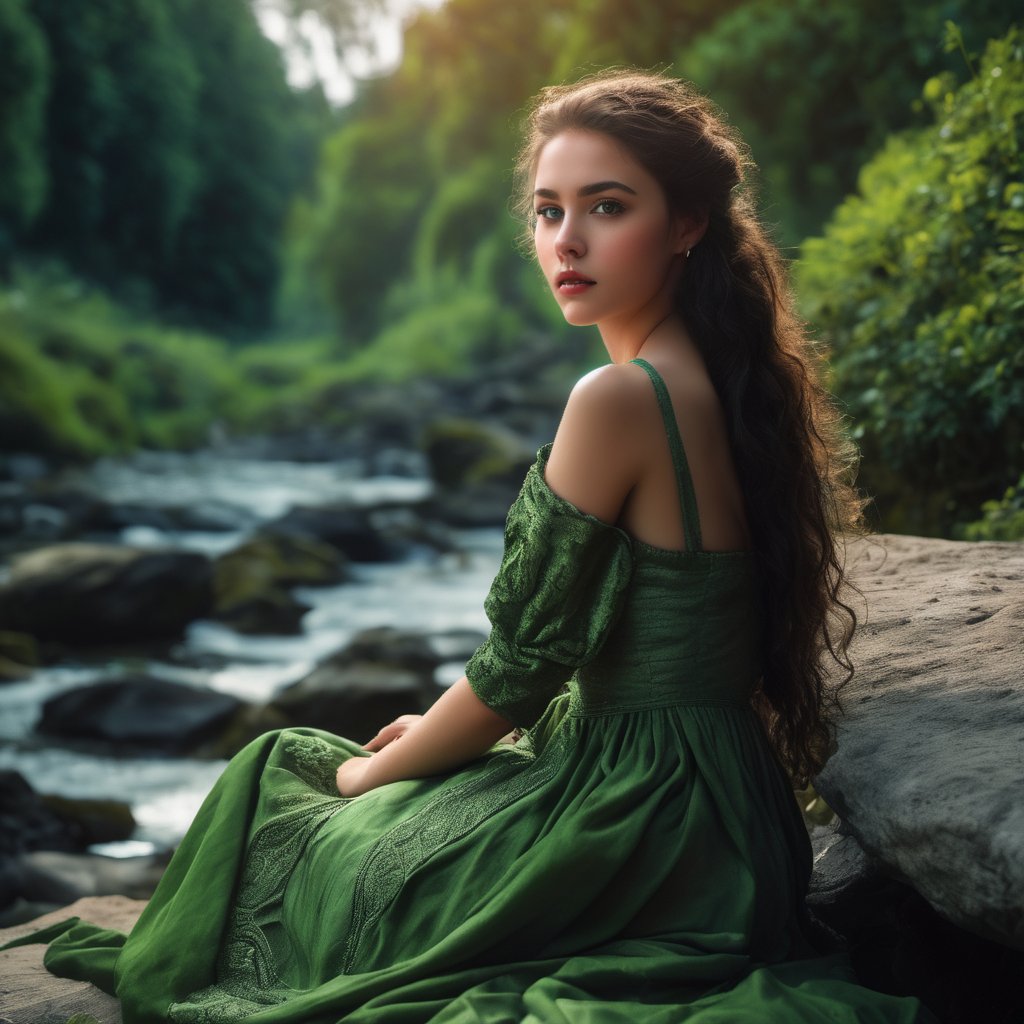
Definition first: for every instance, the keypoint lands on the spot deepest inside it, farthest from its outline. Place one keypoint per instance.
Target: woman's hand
(351, 776)
(391, 732)
(457, 729)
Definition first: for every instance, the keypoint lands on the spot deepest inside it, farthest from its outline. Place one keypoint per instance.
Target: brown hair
(794, 463)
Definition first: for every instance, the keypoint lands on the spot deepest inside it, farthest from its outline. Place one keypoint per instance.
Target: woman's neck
(668, 333)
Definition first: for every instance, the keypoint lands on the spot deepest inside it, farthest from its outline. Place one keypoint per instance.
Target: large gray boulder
(929, 771)
(98, 593)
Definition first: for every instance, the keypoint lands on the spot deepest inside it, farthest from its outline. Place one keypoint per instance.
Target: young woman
(637, 853)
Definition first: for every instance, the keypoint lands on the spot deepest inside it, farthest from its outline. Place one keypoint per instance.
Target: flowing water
(427, 592)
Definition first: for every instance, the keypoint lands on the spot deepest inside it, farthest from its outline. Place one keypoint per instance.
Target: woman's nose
(569, 243)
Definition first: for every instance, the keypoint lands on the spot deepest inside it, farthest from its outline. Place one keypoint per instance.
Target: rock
(899, 943)
(211, 517)
(30, 823)
(245, 725)
(27, 823)
(123, 515)
(249, 582)
(840, 865)
(389, 647)
(409, 530)
(356, 700)
(97, 593)
(927, 774)
(19, 653)
(476, 505)
(22, 467)
(347, 529)
(479, 469)
(277, 559)
(466, 452)
(44, 515)
(274, 611)
(381, 674)
(94, 821)
(57, 878)
(154, 713)
(29, 994)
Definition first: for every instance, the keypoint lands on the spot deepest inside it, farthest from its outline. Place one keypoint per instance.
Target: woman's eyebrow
(588, 190)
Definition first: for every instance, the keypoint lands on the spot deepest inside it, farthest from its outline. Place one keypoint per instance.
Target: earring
(688, 251)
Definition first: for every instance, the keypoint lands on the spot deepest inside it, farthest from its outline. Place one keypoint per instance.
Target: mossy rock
(19, 654)
(273, 610)
(267, 561)
(97, 821)
(466, 452)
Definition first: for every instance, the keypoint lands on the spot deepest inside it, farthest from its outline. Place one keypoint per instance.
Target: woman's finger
(385, 736)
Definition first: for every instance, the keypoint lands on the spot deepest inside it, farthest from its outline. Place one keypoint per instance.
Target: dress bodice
(634, 626)
(689, 632)
(690, 626)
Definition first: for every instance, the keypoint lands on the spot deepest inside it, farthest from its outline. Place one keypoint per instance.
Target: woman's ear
(688, 229)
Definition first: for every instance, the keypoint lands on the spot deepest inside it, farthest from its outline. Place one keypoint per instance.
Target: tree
(816, 87)
(24, 85)
(916, 286)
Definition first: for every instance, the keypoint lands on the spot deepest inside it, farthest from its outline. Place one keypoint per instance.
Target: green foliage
(918, 287)
(24, 84)
(153, 146)
(121, 74)
(1002, 519)
(225, 262)
(816, 87)
(447, 338)
(78, 379)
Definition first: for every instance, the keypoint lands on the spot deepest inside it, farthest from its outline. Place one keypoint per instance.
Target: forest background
(188, 245)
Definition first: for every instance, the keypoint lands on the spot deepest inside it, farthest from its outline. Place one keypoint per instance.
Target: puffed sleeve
(556, 596)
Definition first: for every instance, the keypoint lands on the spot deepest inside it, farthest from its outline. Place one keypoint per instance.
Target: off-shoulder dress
(637, 857)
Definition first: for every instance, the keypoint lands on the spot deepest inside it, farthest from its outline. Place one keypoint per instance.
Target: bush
(917, 288)
(1002, 519)
(80, 377)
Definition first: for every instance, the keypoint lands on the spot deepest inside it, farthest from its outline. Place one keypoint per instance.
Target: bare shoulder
(595, 458)
(608, 398)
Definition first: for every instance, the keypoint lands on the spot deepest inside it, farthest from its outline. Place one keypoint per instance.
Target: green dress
(637, 857)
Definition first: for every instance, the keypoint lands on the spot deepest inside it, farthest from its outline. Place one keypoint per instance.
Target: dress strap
(684, 482)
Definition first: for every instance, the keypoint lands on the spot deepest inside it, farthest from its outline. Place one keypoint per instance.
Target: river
(427, 592)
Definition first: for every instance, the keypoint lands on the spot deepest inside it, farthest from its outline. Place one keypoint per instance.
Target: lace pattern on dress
(455, 812)
(248, 978)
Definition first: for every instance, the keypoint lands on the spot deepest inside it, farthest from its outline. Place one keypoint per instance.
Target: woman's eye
(609, 206)
(549, 213)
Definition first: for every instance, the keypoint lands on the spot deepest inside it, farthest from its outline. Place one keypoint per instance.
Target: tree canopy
(917, 286)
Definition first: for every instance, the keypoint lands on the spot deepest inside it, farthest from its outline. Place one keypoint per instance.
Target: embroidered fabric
(455, 812)
(247, 974)
(556, 596)
(248, 977)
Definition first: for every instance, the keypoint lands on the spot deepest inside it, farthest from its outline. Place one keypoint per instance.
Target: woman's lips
(572, 284)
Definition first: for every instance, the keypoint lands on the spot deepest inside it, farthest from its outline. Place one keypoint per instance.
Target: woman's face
(605, 238)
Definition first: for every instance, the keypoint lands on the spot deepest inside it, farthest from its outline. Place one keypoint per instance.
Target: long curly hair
(794, 463)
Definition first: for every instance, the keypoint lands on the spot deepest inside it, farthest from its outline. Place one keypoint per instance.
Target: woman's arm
(592, 465)
(457, 728)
